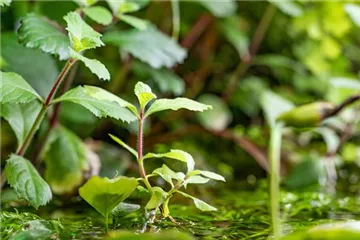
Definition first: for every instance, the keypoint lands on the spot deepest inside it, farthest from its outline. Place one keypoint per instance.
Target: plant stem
(274, 156)
(106, 223)
(175, 19)
(22, 149)
(140, 141)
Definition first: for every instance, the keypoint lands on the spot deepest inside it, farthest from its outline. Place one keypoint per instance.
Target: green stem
(175, 19)
(106, 223)
(274, 157)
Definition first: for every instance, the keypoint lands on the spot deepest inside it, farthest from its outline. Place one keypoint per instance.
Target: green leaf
(21, 117)
(127, 147)
(150, 46)
(81, 35)
(27, 182)
(14, 89)
(217, 119)
(158, 196)
(105, 194)
(342, 88)
(94, 65)
(222, 8)
(176, 104)
(167, 81)
(99, 14)
(100, 102)
(36, 32)
(177, 155)
(274, 105)
(124, 209)
(287, 7)
(167, 174)
(86, 3)
(65, 159)
(5, 3)
(203, 206)
(126, 6)
(160, 235)
(135, 22)
(144, 94)
(353, 11)
(212, 175)
(33, 62)
(195, 179)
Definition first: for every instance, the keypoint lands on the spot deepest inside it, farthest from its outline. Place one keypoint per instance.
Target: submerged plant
(149, 104)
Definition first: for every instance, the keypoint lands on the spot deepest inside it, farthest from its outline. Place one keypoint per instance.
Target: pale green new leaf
(212, 175)
(158, 196)
(222, 8)
(86, 3)
(36, 32)
(167, 174)
(21, 117)
(100, 102)
(135, 22)
(195, 179)
(65, 159)
(94, 65)
(105, 194)
(177, 155)
(126, 6)
(27, 182)
(124, 209)
(176, 104)
(127, 147)
(14, 89)
(144, 94)
(203, 206)
(99, 14)
(150, 46)
(5, 3)
(353, 11)
(290, 8)
(81, 35)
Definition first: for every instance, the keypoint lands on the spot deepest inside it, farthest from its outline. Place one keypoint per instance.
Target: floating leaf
(36, 32)
(150, 46)
(144, 94)
(27, 182)
(176, 104)
(94, 65)
(157, 198)
(203, 206)
(273, 106)
(353, 11)
(290, 8)
(100, 102)
(81, 35)
(99, 14)
(124, 209)
(222, 8)
(167, 81)
(127, 147)
(86, 3)
(126, 6)
(21, 117)
(135, 22)
(105, 194)
(217, 119)
(177, 155)
(14, 89)
(65, 159)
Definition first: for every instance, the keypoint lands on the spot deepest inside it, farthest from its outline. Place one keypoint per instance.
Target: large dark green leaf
(105, 194)
(65, 158)
(36, 32)
(27, 182)
(150, 46)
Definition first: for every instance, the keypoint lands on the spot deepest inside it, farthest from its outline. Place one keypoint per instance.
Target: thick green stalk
(140, 141)
(274, 157)
(175, 19)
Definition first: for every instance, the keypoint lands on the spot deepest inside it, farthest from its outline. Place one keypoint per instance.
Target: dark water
(242, 214)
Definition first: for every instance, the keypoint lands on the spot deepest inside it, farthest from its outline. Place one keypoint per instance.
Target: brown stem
(341, 106)
(196, 31)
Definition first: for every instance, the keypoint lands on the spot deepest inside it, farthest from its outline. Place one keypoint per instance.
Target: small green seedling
(149, 104)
